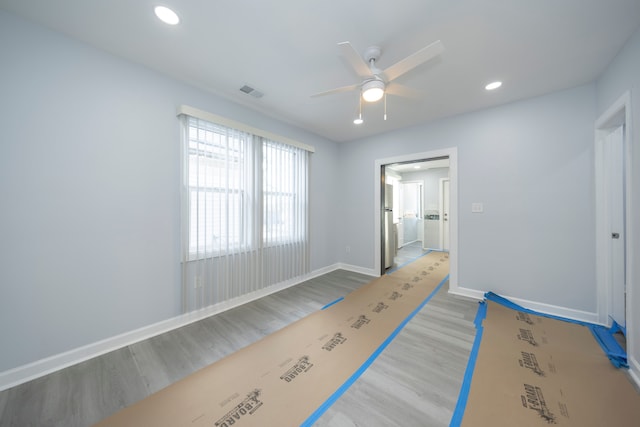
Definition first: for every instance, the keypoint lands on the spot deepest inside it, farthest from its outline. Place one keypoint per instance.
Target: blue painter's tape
(623, 329)
(616, 327)
(481, 314)
(332, 303)
(344, 387)
(391, 270)
(461, 405)
(612, 349)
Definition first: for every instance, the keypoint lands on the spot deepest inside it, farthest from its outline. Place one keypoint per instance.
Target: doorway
(417, 208)
(613, 212)
(379, 183)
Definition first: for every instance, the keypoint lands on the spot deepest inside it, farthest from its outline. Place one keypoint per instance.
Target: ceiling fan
(376, 82)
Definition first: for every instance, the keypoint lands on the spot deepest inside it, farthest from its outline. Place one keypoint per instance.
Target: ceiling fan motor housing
(372, 54)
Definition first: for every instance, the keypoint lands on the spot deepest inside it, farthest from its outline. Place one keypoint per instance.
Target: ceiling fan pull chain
(385, 105)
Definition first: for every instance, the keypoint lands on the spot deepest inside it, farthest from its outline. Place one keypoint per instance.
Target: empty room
(338, 213)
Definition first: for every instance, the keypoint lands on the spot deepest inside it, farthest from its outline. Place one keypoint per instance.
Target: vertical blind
(244, 212)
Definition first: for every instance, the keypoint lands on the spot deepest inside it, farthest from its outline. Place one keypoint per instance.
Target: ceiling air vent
(251, 91)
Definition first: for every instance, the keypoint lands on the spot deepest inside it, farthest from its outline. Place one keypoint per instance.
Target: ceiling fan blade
(412, 61)
(354, 58)
(337, 90)
(403, 91)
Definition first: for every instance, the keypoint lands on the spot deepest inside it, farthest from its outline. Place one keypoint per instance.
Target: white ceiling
(287, 49)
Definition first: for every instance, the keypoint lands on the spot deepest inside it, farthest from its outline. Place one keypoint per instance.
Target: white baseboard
(357, 269)
(39, 368)
(467, 293)
(634, 370)
(554, 310)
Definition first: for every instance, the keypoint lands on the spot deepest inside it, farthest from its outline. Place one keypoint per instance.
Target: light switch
(477, 208)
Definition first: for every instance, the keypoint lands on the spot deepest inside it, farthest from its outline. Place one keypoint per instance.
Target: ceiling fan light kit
(373, 90)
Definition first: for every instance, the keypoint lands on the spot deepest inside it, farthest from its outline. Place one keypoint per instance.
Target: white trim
(452, 153)
(357, 269)
(602, 267)
(467, 293)
(214, 118)
(39, 368)
(618, 113)
(634, 369)
(624, 102)
(554, 310)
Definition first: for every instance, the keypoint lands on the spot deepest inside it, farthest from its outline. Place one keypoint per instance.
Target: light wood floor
(414, 382)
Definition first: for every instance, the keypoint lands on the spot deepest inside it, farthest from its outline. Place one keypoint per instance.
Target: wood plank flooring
(417, 379)
(415, 382)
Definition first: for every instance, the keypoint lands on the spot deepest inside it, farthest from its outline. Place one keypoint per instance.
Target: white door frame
(618, 114)
(452, 153)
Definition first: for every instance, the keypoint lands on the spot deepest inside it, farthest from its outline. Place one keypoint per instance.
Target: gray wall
(531, 164)
(622, 75)
(89, 183)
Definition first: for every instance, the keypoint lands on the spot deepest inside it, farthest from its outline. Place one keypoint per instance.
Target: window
(244, 209)
(219, 172)
(244, 191)
(281, 175)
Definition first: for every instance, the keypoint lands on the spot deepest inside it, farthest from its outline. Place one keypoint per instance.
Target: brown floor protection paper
(536, 371)
(282, 379)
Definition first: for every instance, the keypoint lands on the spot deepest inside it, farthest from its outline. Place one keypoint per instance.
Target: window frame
(255, 217)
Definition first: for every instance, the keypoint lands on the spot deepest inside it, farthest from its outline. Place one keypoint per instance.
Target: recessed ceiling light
(417, 167)
(492, 86)
(358, 121)
(166, 15)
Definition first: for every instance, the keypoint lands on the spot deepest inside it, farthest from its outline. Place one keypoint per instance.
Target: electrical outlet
(477, 207)
(198, 282)
(347, 249)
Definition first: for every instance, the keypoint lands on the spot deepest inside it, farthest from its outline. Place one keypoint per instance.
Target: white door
(615, 221)
(444, 214)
